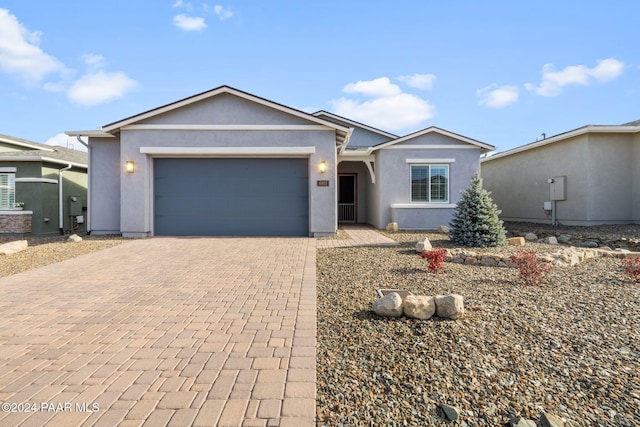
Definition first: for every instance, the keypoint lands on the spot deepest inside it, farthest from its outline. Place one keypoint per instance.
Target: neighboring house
(225, 162)
(31, 197)
(590, 175)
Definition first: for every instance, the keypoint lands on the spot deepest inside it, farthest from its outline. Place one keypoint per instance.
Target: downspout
(60, 200)
(88, 219)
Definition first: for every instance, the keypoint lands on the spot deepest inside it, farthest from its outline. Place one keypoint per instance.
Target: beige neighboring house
(587, 176)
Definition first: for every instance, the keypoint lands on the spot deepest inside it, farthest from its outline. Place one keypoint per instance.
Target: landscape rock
(590, 244)
(530, 237)
(488, 261)
(392, 227)
(564, 238)
(423, 245)
(389, 305)
(552, 240)
(450, 412)
(449, 306)
(515, 241)
(443, 229)
(419, 307)
(470, 260)
(522, 422)
(13, 247)
(74, 238)
(550, 420)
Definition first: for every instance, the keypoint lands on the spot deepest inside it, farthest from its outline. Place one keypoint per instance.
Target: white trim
(89, 133)
(423, 206)
(8, 170)
(433, 147)
(566, 135)
(22, 143)
(225, 127)
(40, 159)
(228, 151)
(14, 212)
(36, 180)
(430, 161)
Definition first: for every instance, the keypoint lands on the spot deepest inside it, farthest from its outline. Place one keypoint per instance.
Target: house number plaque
(323, 183)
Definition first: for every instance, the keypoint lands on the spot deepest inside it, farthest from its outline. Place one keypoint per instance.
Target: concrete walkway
(359, 235)
(163, 331)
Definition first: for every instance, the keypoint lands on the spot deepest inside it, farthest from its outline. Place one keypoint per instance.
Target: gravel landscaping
(570, 348)
(48, 250)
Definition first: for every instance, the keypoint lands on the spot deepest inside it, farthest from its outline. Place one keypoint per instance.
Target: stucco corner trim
(430, 160)
(228, 151)
(422, 206)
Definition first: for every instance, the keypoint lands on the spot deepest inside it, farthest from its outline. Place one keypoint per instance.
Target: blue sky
(499, 72)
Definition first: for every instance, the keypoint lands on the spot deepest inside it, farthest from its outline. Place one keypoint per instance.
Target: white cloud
(180, 3)
(63, 140)
(93, 61)
(189, 23)
(495, 96)
(389, 107)
(419, 81)
(98, 87)
(607, 69)
(222, 12)
(377, 87)
(553, 81)
(20, 54)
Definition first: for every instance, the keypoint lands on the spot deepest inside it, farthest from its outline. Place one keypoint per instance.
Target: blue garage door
(231, 197)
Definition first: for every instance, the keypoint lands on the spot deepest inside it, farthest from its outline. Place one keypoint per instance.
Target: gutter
(60, 199)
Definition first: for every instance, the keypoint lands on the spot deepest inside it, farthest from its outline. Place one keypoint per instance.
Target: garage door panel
(240, 197)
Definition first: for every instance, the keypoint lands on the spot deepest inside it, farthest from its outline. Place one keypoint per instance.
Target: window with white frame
(430, 183)
(7, 190)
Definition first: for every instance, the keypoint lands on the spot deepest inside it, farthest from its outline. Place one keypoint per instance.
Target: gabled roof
(626, 128)
(432, 129)
(354, 123)
(42, 152)
(115, 126)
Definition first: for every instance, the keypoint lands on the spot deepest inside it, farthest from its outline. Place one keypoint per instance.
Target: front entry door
(347, 198)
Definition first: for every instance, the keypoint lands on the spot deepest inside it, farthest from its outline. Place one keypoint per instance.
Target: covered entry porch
(355, 183)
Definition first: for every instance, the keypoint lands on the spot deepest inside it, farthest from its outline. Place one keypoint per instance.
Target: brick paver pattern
(164, 331)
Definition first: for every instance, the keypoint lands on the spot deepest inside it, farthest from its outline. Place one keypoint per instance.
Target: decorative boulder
(74, 238)
(515, 241)
(530, 237)
(449, 306)
(443, 229)
(423, 245)
(419, 307)
(389, 305)
(392, 226)
(550, 420)
(552, 240)
(13, 247)
(565, 238)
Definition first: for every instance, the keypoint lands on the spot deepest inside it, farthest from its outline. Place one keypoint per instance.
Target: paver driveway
(163, 331)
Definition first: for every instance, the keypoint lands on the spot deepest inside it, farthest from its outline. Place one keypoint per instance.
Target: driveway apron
(163, 331)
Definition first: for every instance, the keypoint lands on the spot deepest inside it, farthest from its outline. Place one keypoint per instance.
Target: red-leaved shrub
(632, 268)
(435, 258)
(531, 268)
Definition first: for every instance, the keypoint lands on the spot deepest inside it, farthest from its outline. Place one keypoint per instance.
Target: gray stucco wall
(598, 168)
(360, 137)
(105, 171)
(393, 182)
(137, 189)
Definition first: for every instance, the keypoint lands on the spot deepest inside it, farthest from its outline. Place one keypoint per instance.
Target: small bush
(531, 268)
(435, 258)
(632, 268)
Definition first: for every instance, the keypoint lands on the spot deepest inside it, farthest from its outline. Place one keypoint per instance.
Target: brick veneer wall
(17, 223)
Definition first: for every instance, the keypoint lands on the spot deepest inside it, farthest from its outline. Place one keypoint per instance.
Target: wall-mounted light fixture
(130, 166)
(323, 166)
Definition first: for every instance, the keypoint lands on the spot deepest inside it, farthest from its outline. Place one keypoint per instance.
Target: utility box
(75, 206)
(558, 186)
